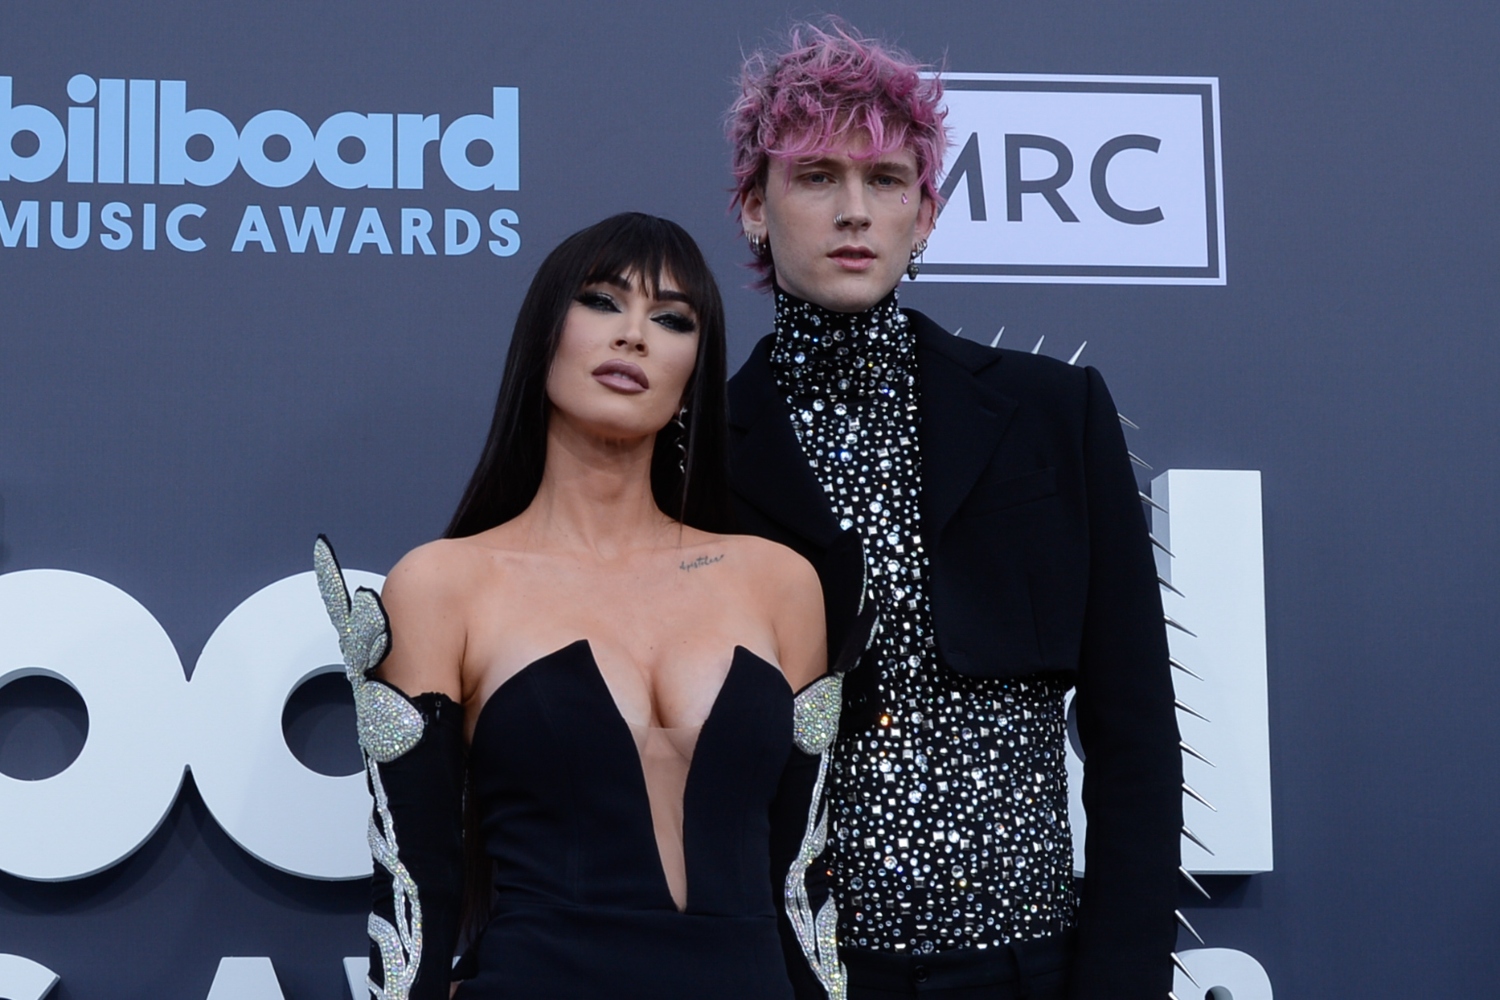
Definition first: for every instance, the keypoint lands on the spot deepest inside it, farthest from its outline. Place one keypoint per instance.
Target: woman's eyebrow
(667, 295)
(617, 280)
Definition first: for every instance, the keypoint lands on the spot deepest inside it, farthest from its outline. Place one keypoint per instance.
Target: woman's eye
(597, 300)
(677, 322)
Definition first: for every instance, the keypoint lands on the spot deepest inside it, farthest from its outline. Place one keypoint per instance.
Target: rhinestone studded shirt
(950, 813)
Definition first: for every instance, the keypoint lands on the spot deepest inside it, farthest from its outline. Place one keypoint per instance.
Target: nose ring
(838, 220)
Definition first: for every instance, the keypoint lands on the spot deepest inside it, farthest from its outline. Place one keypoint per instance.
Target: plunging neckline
(671, 853)
(594, 662)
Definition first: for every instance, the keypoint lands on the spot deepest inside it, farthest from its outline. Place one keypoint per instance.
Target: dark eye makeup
(676, 321)
(597, 300)
(672, 319)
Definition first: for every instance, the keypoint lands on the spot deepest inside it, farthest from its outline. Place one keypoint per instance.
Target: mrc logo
(1085, 179)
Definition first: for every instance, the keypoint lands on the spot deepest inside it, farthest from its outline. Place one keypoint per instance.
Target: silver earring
(682, 434)
(757, 244)
(912, 267)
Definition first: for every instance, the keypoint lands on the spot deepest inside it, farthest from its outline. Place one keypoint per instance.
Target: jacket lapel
(767, 466)
(962, 420)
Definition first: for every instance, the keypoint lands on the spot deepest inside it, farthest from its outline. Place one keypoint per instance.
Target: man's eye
(597, 300)
(677, 322)
(886, 180)
(817, 178)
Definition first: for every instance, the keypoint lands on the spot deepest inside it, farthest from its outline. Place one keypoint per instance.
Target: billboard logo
(139, 132)
(142, 132)
(1112, 180)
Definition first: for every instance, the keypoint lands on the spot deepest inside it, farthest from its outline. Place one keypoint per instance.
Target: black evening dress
(582, 905)
(609, 879)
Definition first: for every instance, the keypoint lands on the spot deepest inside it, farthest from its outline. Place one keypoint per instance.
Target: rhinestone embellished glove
(414, 761)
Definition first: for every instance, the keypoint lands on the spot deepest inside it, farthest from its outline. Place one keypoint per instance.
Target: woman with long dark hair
(577, 708)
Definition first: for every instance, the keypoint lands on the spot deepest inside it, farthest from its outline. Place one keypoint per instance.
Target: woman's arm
(414, 762)
(424, 598)
(796, 603)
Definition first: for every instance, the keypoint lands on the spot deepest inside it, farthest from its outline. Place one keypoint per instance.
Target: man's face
(841, 228)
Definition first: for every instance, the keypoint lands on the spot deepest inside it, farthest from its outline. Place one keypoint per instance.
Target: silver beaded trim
(389, 726)
(815, 714)
(400, 944)
(815, 726)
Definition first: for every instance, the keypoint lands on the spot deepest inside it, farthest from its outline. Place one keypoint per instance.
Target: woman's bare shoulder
(430, 597)
(448, 572)
(792, 597)
(768, 559)
(779, 576)
(432, 568)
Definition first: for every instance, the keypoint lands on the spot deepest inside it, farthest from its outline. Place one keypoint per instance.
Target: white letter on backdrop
(107, 647)
(245, 979)
(23, 979)
(269, 803)
(1214, 533)
(1222, 973)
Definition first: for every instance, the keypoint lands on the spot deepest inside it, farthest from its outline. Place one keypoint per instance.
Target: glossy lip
(622, 376)
(853, 258)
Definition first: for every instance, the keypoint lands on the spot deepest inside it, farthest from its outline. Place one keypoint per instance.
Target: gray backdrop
(182, 424)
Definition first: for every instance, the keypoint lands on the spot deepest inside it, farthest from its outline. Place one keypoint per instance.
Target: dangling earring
(682, 434)
(912, 267)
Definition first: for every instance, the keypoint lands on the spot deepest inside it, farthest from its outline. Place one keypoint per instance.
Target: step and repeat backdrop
(258, 266)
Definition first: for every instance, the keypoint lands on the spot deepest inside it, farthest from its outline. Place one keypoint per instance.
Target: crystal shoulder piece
(389, 724)
(815, 714)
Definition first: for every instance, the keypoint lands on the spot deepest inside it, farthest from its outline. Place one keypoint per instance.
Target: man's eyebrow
(883, 165)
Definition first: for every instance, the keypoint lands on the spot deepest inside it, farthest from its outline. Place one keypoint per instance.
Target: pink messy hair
(823, 87)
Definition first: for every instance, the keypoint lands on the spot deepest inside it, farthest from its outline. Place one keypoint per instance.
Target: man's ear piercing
(912, 267)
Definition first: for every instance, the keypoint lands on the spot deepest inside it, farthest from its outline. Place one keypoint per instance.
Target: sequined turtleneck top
(950, 813)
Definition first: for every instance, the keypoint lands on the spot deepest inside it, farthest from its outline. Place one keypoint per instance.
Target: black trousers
(1030, 970)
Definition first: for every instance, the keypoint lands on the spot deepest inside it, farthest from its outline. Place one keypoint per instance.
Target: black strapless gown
(582, 906)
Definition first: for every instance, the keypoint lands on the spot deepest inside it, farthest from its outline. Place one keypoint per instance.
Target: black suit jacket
(1040, 562)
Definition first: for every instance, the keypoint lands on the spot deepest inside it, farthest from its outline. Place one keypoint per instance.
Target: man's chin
(850, 292)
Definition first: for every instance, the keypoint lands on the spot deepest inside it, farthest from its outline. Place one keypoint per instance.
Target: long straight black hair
(690, 483)
(689, 467)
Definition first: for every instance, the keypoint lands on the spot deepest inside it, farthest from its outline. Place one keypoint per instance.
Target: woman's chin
(611, 430)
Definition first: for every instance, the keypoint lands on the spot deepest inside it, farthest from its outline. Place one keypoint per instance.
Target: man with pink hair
(983, 500)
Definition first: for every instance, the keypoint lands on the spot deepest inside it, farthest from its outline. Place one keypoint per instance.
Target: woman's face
(624, 359)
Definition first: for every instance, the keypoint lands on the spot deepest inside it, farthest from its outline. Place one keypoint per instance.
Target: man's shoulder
(752, 385)
(1019, 374)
